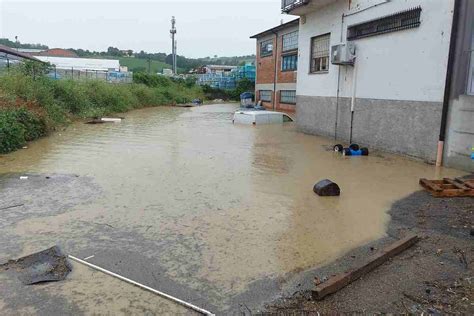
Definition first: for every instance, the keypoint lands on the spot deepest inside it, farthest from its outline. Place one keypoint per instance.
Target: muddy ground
(182, 200)
(436, 276)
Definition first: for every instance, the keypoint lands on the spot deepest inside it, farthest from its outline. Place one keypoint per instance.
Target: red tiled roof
(57, 52)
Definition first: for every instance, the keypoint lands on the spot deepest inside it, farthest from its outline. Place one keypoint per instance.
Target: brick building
(277, 59)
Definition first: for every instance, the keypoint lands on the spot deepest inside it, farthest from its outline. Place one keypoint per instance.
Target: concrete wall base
(460, 134)
(405, 127)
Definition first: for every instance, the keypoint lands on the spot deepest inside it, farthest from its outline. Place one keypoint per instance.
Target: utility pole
(175, 65)
(173, 43)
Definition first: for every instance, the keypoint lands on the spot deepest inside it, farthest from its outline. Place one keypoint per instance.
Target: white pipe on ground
(439, 153)
(172, 298)
(354, 87)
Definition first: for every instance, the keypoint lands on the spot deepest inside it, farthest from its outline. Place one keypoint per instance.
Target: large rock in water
(326, 188)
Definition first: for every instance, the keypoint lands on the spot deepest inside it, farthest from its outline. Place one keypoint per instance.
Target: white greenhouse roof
(82, 63)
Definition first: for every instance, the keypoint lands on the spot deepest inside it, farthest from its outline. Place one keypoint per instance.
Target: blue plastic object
(246, 95)
(356, 152)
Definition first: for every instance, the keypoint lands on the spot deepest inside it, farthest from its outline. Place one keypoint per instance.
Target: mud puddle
(219, 210)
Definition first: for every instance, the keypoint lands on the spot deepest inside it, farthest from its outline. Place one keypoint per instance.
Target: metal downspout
(275, 76)
(447, 88)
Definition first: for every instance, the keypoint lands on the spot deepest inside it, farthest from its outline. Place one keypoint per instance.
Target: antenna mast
(173, 43)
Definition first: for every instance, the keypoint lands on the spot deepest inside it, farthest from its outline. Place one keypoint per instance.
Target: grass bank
(32, 107)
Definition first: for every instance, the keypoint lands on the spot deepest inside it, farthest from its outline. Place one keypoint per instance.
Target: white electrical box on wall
(343, 54)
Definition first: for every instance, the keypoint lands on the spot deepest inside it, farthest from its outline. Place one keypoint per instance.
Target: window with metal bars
(289, 62)
(399, 21)
(266, 48)
(288, 96)
(290, 41)
(320, 54)
(265, 95)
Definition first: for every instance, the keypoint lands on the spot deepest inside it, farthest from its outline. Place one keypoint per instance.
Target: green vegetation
(243, 85)
(7, 42)
(31, 106)
(141, 65)
(139, 61)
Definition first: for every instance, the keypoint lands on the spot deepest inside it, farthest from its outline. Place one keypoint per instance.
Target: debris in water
(23, 178)
(13, 206)
(105, 120)
(326, 188)
(44, 266)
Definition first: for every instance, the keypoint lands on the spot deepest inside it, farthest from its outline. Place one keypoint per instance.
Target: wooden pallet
(449, 187)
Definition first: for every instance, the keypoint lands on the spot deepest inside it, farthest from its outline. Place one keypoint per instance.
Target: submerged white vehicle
(260, 117)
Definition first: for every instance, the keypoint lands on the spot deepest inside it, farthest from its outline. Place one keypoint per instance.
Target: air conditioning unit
(343, 54)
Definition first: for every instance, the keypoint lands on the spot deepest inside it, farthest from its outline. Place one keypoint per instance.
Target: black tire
(365, 151)
(354, 147)
(346, 152)
(338, 148)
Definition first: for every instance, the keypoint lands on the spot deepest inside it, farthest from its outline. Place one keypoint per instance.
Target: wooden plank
(430, 186)
(338, 282)
(467, 182)
(458, 185)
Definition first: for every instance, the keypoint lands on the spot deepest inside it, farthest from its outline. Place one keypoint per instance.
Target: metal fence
(288, 5)
(8, 63)
(81, 74)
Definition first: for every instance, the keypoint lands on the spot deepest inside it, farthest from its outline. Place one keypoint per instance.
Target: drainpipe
(447, 87)
(338, 82)
(353, 98)
(275, 77)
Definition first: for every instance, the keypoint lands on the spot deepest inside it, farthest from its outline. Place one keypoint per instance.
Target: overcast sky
(205, 28)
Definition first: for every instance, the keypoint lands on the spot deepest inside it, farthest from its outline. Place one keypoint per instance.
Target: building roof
(13, 52)
(220, 67)
(57, 52)
(280, 27)
(82, 63)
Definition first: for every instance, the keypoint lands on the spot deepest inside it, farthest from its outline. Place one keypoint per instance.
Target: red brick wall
(283, 76)
(285, 107)
(266, 75)
(265, 66)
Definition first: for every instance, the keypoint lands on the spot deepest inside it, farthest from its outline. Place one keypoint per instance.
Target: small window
(288, 96)
(399, 21)
(266, 48)
(266, 95)
(290, 41)
(320, 54)
(289, 62)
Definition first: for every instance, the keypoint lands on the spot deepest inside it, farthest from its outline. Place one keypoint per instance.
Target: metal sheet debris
(44, 266)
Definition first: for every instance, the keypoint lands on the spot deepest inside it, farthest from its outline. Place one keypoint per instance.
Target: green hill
(138, 64)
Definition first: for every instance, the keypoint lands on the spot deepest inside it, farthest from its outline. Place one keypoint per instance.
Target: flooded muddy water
(215, 208)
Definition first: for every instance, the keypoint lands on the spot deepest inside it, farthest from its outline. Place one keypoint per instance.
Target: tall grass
(31, 107)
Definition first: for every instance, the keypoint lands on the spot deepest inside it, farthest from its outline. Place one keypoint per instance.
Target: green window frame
(289, 62)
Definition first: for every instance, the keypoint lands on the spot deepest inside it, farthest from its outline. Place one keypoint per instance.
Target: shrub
(31, 106)
(17, 126)
(151, 80)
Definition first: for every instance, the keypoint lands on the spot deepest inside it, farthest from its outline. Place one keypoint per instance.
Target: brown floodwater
(224, 204)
